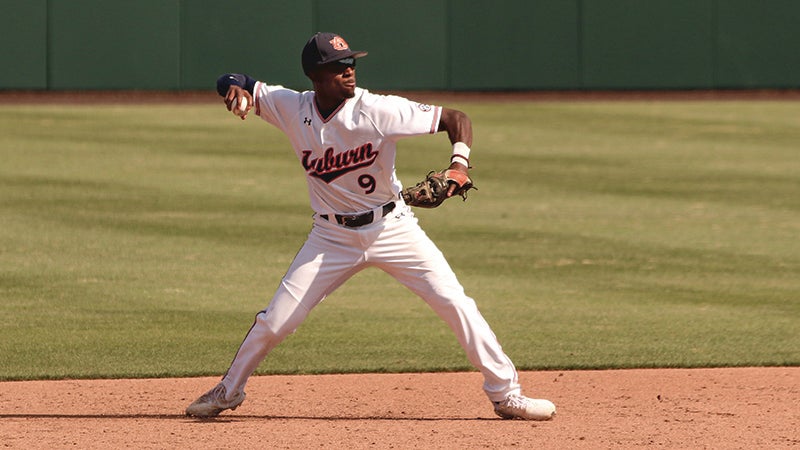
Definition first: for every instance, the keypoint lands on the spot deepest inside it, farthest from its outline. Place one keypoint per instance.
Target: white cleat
(214, 402)
(521, 407)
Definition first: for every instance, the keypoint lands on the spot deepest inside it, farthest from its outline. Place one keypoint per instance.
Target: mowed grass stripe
(140, 240)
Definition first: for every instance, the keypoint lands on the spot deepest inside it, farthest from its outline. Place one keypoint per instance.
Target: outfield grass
(141, 240)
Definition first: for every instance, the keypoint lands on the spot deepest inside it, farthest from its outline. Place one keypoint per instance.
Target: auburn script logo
(331, 166)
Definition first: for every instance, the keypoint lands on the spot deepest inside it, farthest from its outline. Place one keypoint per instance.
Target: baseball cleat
(214, 402)
(520, 407)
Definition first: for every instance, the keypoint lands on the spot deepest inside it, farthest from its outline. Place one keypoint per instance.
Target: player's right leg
(316, 271)
(270, 327)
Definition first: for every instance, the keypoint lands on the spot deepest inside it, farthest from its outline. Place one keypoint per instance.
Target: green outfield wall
(413, 44)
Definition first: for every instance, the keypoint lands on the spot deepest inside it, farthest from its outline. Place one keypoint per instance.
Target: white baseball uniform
(360, 221)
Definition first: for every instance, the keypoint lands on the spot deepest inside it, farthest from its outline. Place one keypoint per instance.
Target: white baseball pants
(398, 245)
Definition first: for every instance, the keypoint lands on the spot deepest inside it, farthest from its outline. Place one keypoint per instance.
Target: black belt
(359, 220)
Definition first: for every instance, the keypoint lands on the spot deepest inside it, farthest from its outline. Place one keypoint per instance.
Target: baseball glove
(432, 191)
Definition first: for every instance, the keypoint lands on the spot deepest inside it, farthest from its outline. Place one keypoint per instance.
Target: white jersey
(349, 158)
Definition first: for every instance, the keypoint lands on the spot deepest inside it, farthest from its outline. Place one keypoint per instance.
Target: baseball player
(345, 138)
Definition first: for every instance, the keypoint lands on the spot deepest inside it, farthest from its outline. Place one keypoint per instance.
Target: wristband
(459, 159)
(460, 154)
(235, 79)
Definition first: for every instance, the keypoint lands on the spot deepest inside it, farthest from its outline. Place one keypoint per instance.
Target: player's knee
(452, 303)
(281, 318)
(466, 303)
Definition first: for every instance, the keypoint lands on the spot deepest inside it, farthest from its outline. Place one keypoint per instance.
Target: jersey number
(368, 183)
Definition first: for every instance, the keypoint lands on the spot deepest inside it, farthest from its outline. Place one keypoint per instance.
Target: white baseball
(242, 107)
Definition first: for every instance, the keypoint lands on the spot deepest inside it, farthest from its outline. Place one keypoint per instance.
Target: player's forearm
(458, 126)
(235, 79)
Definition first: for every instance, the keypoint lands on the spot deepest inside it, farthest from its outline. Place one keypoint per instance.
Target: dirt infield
(673, 408)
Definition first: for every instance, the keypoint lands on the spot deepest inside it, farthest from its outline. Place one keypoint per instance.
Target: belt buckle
(350, 221)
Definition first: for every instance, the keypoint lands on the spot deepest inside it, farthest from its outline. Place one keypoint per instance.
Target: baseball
(242, 107)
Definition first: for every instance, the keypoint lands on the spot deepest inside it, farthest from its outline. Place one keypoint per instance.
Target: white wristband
(460, 160)
(460, 153)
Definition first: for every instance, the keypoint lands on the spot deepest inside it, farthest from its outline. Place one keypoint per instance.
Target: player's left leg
(420, 266)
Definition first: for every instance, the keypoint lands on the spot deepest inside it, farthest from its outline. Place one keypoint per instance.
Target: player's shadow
(238, 418)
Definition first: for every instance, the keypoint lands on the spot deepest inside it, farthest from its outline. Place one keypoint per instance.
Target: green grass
(141, 240)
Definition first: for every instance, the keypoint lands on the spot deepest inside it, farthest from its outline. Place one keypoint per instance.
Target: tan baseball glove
(432, 191)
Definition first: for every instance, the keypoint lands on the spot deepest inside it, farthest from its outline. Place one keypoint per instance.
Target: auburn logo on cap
(339, 44)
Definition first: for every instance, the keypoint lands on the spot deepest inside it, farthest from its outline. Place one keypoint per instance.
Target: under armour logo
(307, 121)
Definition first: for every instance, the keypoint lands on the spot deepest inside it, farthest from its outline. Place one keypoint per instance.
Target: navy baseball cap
(324, 48)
